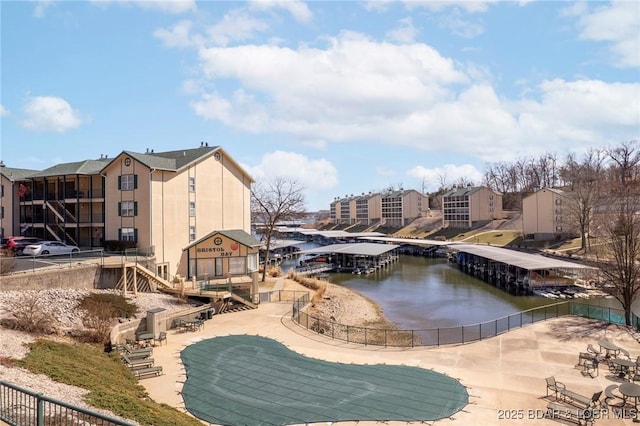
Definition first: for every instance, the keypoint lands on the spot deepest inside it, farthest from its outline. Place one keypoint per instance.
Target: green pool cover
(252, 380)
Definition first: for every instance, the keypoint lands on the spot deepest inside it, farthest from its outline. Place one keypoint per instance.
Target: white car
(49, 247)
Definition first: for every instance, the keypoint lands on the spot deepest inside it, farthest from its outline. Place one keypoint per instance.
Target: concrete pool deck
(504, 375)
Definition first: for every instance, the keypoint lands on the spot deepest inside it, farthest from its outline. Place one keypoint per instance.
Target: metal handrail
(451, 335)
(20, 407)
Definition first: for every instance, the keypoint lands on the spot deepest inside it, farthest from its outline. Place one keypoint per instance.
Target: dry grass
(274, 271)
(7, 262)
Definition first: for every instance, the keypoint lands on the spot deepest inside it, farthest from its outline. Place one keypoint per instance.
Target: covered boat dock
(517, 271)
(512, 270)
(357, 257)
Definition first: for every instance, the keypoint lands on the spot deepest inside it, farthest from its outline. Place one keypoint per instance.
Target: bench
(572, 414)
(578, 399)
(137, 363)
(147, 372)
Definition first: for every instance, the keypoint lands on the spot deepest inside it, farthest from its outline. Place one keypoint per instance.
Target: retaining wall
(78, 277)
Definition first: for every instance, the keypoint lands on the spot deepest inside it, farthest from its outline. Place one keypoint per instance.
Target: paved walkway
(505, 375)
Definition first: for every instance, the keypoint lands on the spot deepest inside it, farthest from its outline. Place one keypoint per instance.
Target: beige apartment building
(10, 193)
(545, 214)
(368, 209)
(401, 207)
(343, 210)
(168, 200)
(161, 202)
(64, 202)
(393, 208)
(465, 207)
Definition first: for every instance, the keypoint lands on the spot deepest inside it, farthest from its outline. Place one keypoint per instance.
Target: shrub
(7, 262)
(274, 271)
(101, 309)
(122, 307)
(31, 316)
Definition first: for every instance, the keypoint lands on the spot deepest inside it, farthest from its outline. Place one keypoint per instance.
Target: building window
(2, 212)
(237, 265)
(1, 190)
(128, 208)
(128, 234)
(127, 182)
(252, 262)
(192, 184)
(192, 208)
(192, 233)
(558, 201)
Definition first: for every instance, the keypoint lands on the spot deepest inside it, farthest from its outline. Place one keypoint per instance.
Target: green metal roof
(238, 235)
(171, 160)
(86, 167)
(461, 192)
(16, 174)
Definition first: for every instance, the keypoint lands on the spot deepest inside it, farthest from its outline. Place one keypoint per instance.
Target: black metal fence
(22, 407)
(451, 335)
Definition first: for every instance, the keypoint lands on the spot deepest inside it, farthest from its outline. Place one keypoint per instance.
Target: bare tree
(617, 258)
(626, 161)
(272, 202)
(584, 179)
(618, 220)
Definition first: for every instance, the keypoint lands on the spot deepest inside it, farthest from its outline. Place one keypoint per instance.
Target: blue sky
(342, 97)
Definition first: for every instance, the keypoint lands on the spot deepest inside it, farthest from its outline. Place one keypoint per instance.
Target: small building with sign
(227, 257)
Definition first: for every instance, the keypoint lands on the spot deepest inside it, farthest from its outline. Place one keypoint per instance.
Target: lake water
(420, 293)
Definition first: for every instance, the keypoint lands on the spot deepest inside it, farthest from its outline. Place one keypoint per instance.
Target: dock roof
(520, 259)
(358, 249)
(528, 261)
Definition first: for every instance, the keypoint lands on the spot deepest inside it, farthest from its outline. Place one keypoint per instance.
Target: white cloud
(469, 6)
(313, 174)
(50, 113)
(617, 23)
(297, 9)
(237, 25)
(407, 95)
(3, 111)
(177, 36)
(167, 6)
(41, 7)
(405, 33)
(460, 26)
(445, 175)
(354, 81)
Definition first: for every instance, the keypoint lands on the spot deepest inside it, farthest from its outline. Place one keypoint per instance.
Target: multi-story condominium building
(10, 193)
(368, 208)
(64, 202)
(465, 207)
(546, 214)
(393, 208)
(161, 202)
(169, 200)
(334, 210)
(401, 207)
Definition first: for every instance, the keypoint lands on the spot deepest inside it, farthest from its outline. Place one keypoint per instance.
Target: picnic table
(145, 338)
(631, 390)
(610, 348)
(623, 366)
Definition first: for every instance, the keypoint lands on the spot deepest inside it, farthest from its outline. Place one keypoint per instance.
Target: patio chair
(555, 386)
(624, 353)
(162, 337)
(595, 352)
(590, 366)
(585, 356)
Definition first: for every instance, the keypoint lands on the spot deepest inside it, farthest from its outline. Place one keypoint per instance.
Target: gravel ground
(61, 305)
